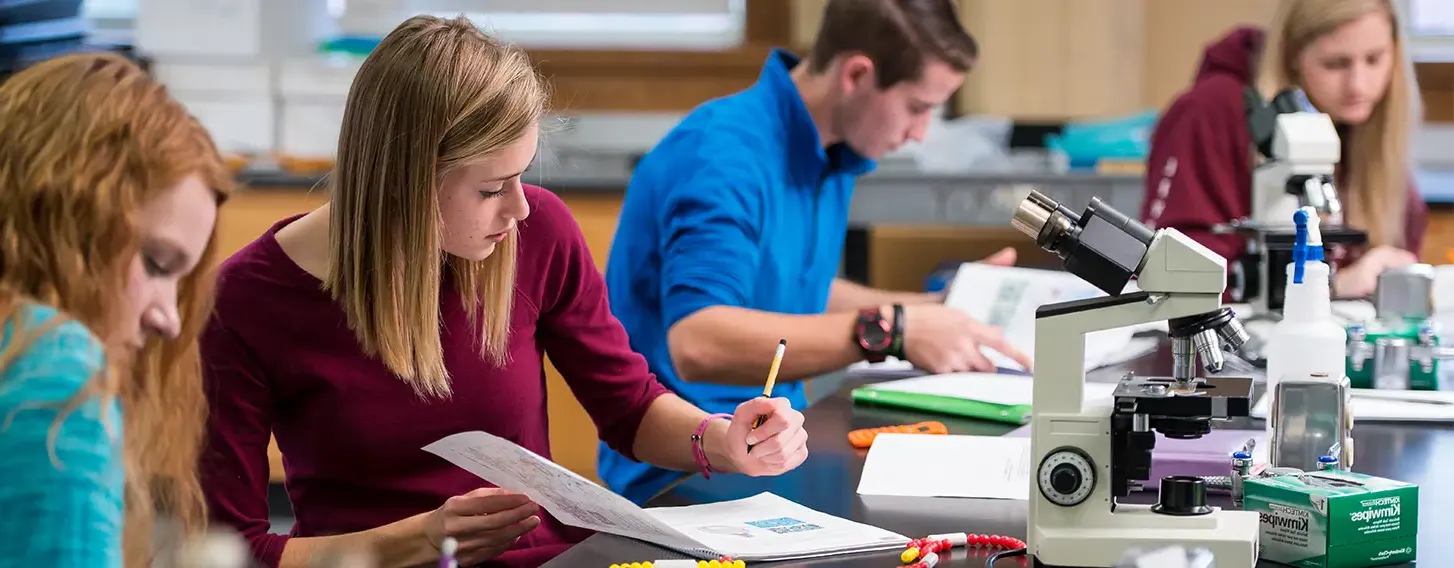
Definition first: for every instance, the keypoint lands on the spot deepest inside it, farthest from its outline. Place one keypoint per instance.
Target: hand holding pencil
(766, 433)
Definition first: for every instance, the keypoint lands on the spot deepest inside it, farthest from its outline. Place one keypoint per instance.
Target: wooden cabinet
(1053, 60)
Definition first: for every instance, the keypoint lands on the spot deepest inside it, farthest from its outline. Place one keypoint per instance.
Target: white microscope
(1298, 149)
(1086, 454)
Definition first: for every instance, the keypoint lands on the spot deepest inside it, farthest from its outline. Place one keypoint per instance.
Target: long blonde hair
(87, 140)
(436, 94)
(1377, 165)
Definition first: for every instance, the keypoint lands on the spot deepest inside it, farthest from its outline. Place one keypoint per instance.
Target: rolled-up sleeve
(711, 230)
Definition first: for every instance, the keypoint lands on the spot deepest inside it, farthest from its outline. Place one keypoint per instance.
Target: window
(579, 24)
(1430, 28)
(1431, 18)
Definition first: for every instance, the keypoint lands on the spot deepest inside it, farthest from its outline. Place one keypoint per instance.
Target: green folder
(951, 405)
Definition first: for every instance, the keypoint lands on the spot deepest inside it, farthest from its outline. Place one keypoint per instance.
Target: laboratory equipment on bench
(1306, 356)
(1298, 149)
(1307, 339)
(1310, 421)
(1086, 454)
(1399, 349)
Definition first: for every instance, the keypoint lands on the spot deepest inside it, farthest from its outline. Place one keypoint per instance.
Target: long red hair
(87, 139)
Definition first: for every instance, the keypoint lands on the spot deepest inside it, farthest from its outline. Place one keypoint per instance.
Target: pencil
(777, 360)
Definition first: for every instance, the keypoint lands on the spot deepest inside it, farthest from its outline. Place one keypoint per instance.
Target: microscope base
(1231, 536)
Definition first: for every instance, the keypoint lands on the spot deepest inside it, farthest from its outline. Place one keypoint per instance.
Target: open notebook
(764, 527)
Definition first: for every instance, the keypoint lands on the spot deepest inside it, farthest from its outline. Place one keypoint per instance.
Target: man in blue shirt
(732, 230)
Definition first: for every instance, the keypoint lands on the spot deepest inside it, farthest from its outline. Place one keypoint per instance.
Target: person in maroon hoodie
(418, 303)
(1349, 57)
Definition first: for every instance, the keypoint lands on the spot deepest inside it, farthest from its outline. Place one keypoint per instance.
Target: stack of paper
(764, 527)
(985, 396)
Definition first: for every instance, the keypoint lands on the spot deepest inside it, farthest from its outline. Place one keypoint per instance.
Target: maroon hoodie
(1199, 172)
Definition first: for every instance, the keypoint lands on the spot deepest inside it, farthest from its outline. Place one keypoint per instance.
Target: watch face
(873, 335)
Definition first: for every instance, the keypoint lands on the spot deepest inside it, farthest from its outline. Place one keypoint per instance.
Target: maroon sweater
(279, 358)
(1199, 171)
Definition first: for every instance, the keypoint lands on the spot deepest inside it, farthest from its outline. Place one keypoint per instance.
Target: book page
(1007, 297)
(572, 499)
(768, 527)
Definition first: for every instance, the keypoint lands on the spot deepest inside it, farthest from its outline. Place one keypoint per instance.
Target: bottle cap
(1300, 244)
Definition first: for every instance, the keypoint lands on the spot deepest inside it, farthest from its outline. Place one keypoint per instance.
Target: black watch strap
(896, 334)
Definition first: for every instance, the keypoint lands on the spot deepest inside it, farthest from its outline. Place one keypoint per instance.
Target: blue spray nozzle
(1300, 245)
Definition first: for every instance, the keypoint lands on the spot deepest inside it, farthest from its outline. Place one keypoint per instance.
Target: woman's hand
(485, 522)
(1360, 279)
(778, 446)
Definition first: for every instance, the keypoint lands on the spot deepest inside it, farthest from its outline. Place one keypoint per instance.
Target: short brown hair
(896, 35)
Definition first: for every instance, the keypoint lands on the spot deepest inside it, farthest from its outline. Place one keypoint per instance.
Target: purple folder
(1208, 455)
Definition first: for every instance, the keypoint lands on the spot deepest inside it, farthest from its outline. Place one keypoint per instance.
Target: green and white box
(1335, 519)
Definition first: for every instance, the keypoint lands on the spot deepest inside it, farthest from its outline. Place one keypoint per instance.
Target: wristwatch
(878, 337)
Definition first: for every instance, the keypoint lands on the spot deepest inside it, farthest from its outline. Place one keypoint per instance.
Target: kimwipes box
(1335, 519)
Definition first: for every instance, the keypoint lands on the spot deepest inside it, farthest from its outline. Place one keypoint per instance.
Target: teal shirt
(61, 508)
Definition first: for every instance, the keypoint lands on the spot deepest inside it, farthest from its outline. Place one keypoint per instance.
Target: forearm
(664, 438)
(399, 544)
(735, 346)
(847, 296)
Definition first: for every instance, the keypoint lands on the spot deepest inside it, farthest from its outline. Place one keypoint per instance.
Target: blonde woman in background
(1350, 58)
(419, 303)
(109, 192)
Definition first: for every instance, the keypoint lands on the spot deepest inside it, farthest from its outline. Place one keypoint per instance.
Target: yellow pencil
(777, 360)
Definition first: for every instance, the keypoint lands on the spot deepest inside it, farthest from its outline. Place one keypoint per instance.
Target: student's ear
(856, 72)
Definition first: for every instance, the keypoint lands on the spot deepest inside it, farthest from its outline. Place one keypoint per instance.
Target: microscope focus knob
(1066, 477)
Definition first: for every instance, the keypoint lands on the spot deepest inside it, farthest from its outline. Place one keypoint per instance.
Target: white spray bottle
(1307, 345)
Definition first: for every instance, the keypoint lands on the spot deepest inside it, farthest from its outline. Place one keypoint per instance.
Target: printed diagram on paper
(771, 526)
(572, 499)
(761, 527)
(1007, 297)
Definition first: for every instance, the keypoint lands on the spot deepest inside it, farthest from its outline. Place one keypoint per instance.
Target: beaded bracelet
(699, 454)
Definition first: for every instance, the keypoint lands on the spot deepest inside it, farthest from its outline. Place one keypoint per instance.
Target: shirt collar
(809, 157)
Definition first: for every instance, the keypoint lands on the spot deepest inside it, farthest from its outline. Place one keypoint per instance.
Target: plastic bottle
(1307, 340)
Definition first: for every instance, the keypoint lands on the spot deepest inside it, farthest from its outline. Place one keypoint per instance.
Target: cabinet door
(1178, 32)
(1052, 60)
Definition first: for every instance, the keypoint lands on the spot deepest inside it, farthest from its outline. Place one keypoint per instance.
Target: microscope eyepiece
(1101, 246)
(1041, 218)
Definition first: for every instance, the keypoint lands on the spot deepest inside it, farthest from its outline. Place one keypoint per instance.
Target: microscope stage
(1212, 398)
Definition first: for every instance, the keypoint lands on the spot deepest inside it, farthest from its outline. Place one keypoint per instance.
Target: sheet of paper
(993, 388)
(979, 467)
(1372, 406)
(572, 499)
(769, 527)
(890, 368)
(1007, 297)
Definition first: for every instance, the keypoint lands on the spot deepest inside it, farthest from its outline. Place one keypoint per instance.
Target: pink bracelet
(699, 454)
